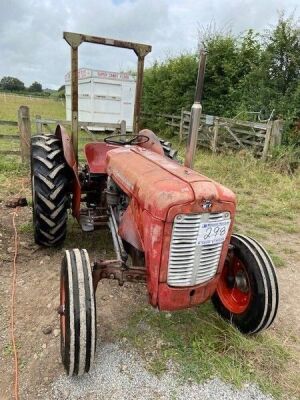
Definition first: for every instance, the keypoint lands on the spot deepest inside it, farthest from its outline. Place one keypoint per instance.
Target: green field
(44, 107)
(199, 341)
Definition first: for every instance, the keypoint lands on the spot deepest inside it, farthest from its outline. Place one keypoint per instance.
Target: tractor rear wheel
(50, 179)
(77, 313)
(247, 292)
(167, 147)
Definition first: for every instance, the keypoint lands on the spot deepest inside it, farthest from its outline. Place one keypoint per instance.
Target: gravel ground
(120, 375)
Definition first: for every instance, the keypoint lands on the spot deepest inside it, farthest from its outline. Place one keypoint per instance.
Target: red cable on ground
(13, 309)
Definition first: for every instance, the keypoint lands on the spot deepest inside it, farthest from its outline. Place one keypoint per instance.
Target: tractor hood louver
(191, 263)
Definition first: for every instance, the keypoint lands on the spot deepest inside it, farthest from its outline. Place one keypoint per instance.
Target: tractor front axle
(115, 269)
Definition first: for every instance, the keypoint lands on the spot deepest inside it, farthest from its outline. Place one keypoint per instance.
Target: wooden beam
(25, 132)
(38, 124)
(10, 152)
(267, 141)
(276, 133)
(13, 137)
(10, 123)
(215, 135)
(234, 136)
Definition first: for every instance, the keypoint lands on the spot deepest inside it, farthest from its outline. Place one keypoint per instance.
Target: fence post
(123, 127)
(215, 136)
(267, 141)
(181, 125)
(38, 124)
(276, 133)
(25, 132)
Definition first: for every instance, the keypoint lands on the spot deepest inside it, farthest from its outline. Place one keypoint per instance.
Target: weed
(8, 350)
(26, 228)
(288, 250)
(277, 260)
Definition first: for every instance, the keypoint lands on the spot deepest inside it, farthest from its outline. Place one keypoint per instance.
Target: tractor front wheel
(247, 291)
(77, 313)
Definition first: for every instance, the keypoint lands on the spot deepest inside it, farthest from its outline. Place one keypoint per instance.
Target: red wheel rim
(233, 287)
(62, 309)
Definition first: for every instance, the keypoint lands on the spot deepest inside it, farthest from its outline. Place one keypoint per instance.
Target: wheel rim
(62, 309)
(233, 287)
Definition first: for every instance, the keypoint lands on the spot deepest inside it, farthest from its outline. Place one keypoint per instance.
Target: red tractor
(171, 227)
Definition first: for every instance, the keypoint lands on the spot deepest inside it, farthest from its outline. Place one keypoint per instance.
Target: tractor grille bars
(189, 263)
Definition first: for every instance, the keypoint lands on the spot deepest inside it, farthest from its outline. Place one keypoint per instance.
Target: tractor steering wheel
(123, 140)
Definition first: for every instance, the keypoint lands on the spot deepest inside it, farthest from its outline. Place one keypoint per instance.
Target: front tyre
(247, 292)
(77, 313)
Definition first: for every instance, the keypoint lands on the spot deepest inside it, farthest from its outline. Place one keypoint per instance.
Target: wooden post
(267, 141)
(39, 125)
(215, 136)
(25, 132)
(181, 125)
(276, 133)
(123, 127)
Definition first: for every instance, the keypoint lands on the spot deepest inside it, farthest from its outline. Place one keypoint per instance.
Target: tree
(254, 72)
(283, 54)
(61, 88)
(221, 76)
(35, 87)
(11, 83)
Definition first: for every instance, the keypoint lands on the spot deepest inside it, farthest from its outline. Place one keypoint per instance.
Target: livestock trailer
(104, 97)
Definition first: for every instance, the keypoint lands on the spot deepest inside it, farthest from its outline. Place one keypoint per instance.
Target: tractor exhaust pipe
(196, 111)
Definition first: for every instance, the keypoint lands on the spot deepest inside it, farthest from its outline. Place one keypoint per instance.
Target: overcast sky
(32, 48)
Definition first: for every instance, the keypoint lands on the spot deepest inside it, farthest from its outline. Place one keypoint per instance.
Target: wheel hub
(241, 282)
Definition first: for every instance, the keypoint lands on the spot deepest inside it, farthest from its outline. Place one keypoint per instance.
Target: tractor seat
(95, 154)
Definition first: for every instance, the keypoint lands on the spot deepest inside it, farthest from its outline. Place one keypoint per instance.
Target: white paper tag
(212, 232)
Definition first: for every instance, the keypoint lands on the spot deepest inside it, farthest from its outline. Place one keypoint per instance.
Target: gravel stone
(120, 375)
(47, 330)
(56, 332)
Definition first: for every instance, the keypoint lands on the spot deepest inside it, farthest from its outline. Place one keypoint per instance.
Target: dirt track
(38, 297)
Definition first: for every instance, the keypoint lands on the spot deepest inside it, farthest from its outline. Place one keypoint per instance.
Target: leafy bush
(248, 73)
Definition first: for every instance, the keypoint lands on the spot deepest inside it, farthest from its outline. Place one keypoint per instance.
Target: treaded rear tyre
(50, 180)
(77, 313)
(167, 147)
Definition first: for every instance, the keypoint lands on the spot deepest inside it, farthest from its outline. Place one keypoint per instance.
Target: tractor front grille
(189, 263)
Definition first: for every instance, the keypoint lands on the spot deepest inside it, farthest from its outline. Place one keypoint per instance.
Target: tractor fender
(153, 143)
(70, 158)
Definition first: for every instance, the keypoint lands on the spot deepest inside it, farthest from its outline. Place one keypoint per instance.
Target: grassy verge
(203, 346)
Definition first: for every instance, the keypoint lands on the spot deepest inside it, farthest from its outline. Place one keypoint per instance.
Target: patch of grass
(26, 228)
(11, 165)
(277, 260)
(7, 350)
(288, 250)
(91, 241)
(47, 108)
(204, 346)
